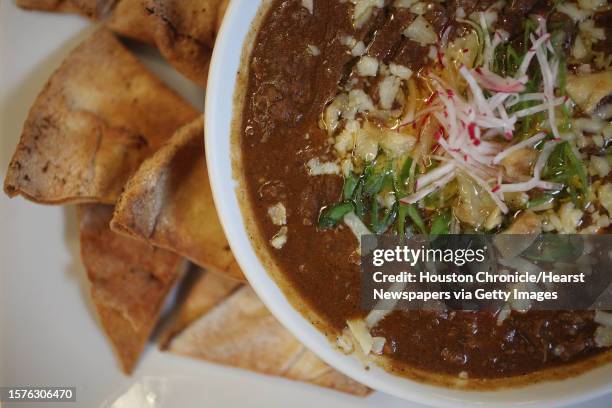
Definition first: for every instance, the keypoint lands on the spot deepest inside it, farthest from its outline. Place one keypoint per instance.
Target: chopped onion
(421, 31)
(367, 66)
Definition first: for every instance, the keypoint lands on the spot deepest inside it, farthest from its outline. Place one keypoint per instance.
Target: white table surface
(49, 334)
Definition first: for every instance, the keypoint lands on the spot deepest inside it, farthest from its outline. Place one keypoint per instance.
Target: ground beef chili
(297, 65)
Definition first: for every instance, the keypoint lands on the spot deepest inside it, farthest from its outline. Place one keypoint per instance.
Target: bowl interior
(222, 83)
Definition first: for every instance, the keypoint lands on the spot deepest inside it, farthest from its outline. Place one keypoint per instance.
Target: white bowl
(219, 112)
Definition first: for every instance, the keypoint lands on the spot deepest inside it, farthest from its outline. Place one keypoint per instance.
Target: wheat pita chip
(94, 9)
(239, 331)
(198, 19)
(129, 281)
(184, 32)
(130, 19)
(168, 202)
(203, 291)
(310, 368)
(99, 115)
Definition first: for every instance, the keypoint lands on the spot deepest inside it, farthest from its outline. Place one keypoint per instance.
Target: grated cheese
(603, 336)
(599, 166)
(378, 344)
(400, 71)
(603, 318)
(279, 240)
(363, 10)
(358, 49)
(361, 333)
(314, 50)
(604, 194)
(367, 66)
(387, 91)
(278, 214)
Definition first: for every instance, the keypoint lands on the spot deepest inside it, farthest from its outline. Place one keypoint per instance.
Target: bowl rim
(219, 114)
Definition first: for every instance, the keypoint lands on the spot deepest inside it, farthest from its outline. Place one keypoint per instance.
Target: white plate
(219, 116)
(48, 332)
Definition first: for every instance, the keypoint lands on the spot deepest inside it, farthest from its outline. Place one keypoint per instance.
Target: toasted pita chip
(312, 369)
(169, 203)
(185, 31)
(240, 332)
(101, 113)
(130, 19)
(94, 9)
(129, 281)
(204, 291)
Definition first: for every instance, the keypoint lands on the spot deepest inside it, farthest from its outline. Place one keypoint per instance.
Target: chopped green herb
(362, 194)
(564, 167)
(530, 27)
(381, 225)
(331, 216)
(562, 76)
(350, 185)
(400, 225)
(506, 60)
(412, 212)
(404, 174)
(373, 184)
(541, 199)
(566, 124)
(374, 178)
(441, 223)
(360, 207)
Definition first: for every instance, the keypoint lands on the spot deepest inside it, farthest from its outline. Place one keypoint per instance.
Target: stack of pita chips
(168, 203)
(183, 30)
(97, 118)
(222, 320)
(107, 135)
